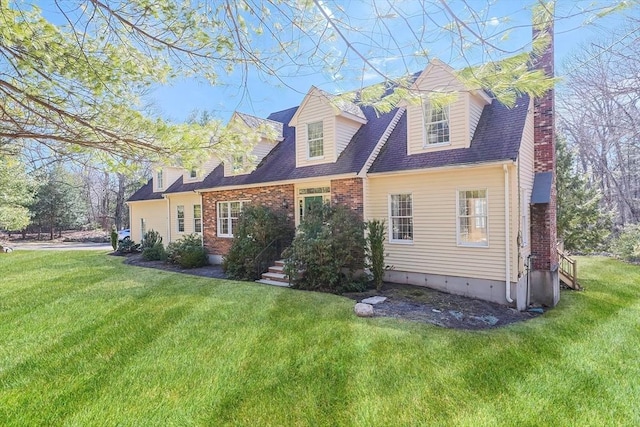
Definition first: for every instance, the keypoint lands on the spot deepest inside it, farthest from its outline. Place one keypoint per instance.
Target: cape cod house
(466, 190)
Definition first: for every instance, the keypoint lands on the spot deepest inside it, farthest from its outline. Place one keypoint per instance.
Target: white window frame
(143, 228)
(460, 242)
(428, 123)
(315, 140)
(391, 218)
(197, 218)
(228, 218)
(180, 218)
(160, 180)
(524, 219)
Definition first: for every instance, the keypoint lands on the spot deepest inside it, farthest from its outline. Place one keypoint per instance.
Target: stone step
(273, 283)
(278, 277)
(276, 269)
(279, 263)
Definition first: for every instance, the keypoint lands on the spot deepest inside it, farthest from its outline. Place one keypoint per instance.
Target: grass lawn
(86, 340)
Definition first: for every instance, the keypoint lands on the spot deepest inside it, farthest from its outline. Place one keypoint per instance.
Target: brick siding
(348, 192)
(274, 197)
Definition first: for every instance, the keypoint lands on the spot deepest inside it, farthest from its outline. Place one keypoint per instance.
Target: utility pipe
(507, 237)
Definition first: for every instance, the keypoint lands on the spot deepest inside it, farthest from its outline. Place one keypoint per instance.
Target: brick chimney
(543, 211)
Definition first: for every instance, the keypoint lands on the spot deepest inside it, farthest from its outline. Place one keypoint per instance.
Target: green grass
(86, 340)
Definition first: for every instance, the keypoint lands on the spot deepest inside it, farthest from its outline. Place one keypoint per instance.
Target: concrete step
(273, 283)
(278, 277)
(276, 269)
(280, 263)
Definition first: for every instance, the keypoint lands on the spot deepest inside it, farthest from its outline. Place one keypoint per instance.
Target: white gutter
(507, 237)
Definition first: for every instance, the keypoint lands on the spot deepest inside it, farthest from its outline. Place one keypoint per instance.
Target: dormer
(446, 113)
(258, 137)
(163, 177)
(324, 124)
(197, 174)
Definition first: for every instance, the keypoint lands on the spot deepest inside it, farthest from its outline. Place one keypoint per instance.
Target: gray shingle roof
(254, 122)
(343, 104)
(497, 137)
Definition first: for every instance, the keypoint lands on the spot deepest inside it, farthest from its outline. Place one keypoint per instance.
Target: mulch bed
(403, 301)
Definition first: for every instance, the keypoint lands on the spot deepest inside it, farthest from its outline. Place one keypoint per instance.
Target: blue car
(124, 234)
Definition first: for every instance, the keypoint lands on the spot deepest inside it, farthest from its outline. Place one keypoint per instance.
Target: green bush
(259, 237)
(151, 238)
(128, 246)
(375, 250)
(114, 239)
(155, 253)
(627, 245)
(328, 251)
(187, 252)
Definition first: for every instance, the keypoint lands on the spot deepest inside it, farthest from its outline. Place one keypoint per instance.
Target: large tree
(72, 76)
(16, 194)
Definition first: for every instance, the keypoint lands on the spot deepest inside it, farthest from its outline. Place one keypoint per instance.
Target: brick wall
(273, 197)
(543, 216)
(348, 192)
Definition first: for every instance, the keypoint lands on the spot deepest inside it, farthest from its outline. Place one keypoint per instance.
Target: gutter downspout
(507, 237)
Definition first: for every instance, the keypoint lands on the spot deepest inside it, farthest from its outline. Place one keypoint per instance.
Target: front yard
(87, 340)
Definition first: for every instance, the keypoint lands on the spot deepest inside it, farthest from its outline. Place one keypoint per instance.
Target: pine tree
(582, 224)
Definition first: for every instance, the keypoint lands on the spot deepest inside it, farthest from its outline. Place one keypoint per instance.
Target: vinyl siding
(154, 213)
(316, 109)
(434, 249)
(258, 153)
(345, 129)
(476, 105)
(206, 168)
(170, 175)
(187, 200)
(526, 172)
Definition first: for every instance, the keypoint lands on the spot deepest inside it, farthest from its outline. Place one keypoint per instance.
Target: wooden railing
(568, 269)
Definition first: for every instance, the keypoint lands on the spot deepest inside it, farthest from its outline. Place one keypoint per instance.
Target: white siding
(258, 153)
(169, 176)
(206, 168)
(317, 108)
(154, 213)
(345, 129)
(435, 249)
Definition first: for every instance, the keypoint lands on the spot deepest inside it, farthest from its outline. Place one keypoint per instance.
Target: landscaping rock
(363, 310)
(374, 300)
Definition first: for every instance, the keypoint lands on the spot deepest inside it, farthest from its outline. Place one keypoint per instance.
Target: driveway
(60, 246)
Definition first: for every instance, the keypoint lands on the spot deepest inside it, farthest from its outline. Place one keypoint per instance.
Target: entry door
(310, 203)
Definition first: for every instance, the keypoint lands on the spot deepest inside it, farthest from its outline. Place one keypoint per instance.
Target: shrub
(150, 239)
(187, 252)
(328, 251)
(114, 239)
(258, 240)
(627, 245)
(375, 250)
(154, 253)
(128, 247)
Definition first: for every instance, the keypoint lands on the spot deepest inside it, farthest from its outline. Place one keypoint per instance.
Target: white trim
(390, 220)
(459, 243)
(178, 219)
(315, 140)
(438, 169)
(426, 121)
(383, 140)
(352, 117)
(230, 234)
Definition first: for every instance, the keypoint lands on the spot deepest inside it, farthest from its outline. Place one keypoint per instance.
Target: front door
(310, 203)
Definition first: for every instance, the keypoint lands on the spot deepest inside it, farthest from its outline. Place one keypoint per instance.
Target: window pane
(472, 217)
(315, 139)
(223, 210)
(401, 217)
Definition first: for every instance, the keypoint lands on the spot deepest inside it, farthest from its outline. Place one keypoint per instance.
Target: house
(466, 190)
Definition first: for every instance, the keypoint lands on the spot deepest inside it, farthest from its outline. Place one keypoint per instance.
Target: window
(237, 163)
(472, 218)
(180, 219)
(197, 218)
(315, 139)
(160, 180)
(436, 123)
(193, 174)
(401, 218)
(228, 214)
(143, 228)
(524, 221)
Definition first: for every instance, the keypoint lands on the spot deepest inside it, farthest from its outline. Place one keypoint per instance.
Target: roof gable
(340, 105)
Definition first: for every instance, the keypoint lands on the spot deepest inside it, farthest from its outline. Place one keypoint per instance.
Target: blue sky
(262, 95)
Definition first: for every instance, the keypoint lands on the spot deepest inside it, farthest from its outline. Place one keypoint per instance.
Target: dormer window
(237, 163)
(193, 174)
(436, 123)
(159, 180)
(315, 140)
